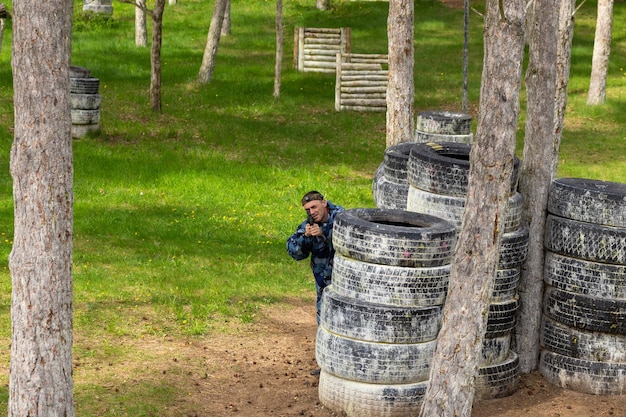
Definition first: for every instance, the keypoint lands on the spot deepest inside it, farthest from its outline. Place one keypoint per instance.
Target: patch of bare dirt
(263, 369)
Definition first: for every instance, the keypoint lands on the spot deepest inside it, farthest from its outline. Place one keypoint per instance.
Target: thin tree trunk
(141, 32)
(400, 88)
(322, 4)
(40, 381)
(279, 47)
(213, 39)
(601, 53)
(226, 23)
(2, 25)
(540, 152)
(155, 55)
(465, 53)
(457, 357)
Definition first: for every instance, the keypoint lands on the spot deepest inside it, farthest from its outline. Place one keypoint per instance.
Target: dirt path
(262, 369)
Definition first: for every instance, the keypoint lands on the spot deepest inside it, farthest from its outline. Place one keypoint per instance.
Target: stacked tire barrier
(438, 180)
(390, 186)
(443, 126)
(583, 331)
(381, 315)
(85, 101)
(98, 6)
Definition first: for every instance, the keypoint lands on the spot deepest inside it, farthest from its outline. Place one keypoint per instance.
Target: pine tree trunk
(322, 4)
(213, 39)
(279, 47)
(155, 55)
(226, 23)
(541, 151)
(141, 32)
(40, 381)
(401, 88)
(457, 358)
(601, 52)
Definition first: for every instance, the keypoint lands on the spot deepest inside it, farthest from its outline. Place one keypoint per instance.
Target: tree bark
(226, 23)
(601, 53)
(541, 151)
(213, 39)
(279, 48)
(457, 358)
(155, 55)
(322, 4)
(401, 87)
(40, 381)
(141, 32)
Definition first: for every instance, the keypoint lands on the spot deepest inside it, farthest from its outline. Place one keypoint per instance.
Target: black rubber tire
(388, 194)
(443, 168)
(79, 131)
(395, 162)
(584, 312)
(505, 285)
(390, 285)
(451, 208)
(378, 323)
(588, 200)
(495, 350)
(86, 101)
(85, 117)
(376, 363)
(79, 72)
(394, 237)
(446, 122)
(580, 276)
(423, 137)
(88, 85)
(358, 399)
(501, 318)
(592, 346)
(598, 378)
(498, 380)
(586, 240)
(514, 248)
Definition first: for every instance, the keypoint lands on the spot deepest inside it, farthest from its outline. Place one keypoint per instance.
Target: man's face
(317, 209)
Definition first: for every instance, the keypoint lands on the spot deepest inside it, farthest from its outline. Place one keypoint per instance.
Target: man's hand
(313, 230)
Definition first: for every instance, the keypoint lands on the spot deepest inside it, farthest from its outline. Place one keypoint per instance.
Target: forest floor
(263, 369)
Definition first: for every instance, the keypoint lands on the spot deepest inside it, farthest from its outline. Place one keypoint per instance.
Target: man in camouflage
(316, 240)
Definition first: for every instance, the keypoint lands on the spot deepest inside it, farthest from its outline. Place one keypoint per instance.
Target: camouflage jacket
(320, 248)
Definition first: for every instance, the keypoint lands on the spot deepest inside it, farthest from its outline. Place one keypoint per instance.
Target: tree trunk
(457, 358)
(322, 4)
(210, 51)
(601, 52)
(141, 32)
(279, 47)
(400, 88)
(40, 381)
(541, 151)
(226, 23)
(155, 55)
(466, 9)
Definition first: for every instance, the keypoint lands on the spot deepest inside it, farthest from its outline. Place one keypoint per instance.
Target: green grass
(181, 217)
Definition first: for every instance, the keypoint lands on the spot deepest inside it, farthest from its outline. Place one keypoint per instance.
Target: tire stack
(390, 186)
(98, 6)
(443, 126)
(381, 315)
(438, 180)
(85, 101)
(583, 331)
